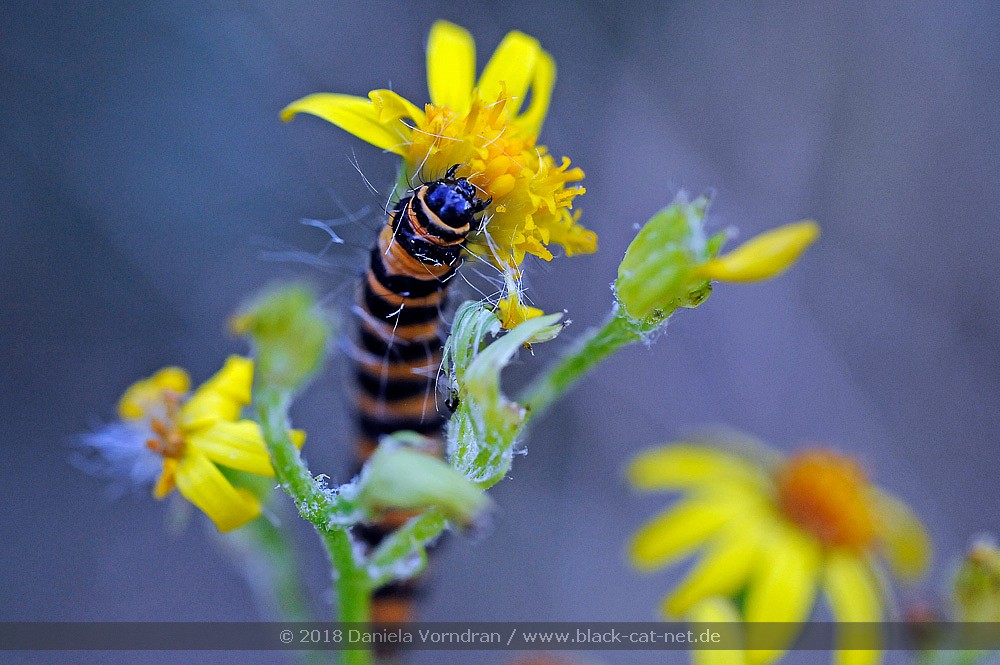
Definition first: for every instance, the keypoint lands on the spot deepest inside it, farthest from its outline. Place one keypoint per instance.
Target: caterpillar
(400, 335)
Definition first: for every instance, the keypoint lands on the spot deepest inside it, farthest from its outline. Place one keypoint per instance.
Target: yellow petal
(222, 397)
(854, 597)
(722, 571)
(237, 445)
(513, 64)
(392, 107)
(713, 611)
(451, 66)
(678, 532)
(355, 115)
(684, 466)
(167, 481)
(543, 81)
(782, 587)
(143, 395)
(905, 543)
(766, 256)
(513, 312)
(203, 484)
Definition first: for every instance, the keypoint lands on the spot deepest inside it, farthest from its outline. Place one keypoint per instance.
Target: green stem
(952, 657)
(585, 353)
(326, 511)
(410, 538)
(354, 590)
(315, 504)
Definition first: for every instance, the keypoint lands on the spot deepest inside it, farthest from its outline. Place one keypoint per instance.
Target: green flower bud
(976, 590)
(399, 477)
(289, 332)
(658, 274)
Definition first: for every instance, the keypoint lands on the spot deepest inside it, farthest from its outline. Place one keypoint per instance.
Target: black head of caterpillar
(433, 222)
(454, 200)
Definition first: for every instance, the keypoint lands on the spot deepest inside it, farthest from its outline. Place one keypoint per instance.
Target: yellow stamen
(827, 495)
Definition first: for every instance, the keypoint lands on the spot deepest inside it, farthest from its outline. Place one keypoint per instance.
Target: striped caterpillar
(400, 334)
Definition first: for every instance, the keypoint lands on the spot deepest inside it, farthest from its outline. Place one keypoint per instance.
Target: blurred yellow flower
(775, 530)
(484, 127)
(190, 434)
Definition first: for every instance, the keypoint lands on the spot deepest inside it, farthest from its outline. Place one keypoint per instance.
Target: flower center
(168, 439)
(827, 495)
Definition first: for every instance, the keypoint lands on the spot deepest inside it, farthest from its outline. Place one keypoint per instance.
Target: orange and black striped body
(400, 333)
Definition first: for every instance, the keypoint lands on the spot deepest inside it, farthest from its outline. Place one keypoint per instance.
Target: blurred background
(148, 188)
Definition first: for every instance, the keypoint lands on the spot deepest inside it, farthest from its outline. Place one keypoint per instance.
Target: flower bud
(397, 477)
(977, 583)
(672, 262)
(656, 275)
(290, 334)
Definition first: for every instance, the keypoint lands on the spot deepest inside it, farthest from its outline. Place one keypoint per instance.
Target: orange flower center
(827, 495)
(169, 439)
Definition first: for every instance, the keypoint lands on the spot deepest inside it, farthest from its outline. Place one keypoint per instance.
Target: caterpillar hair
(400, 335)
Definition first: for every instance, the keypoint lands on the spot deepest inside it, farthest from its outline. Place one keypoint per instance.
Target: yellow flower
(773, 531)
(191, 433)
(487, 129)
(513, 312)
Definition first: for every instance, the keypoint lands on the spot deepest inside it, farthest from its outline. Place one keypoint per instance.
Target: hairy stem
(320, 507)
(586, 352)
(409, 540)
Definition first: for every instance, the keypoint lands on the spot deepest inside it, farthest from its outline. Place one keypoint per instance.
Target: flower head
(775, 530)
(672, 261)
(488, 129)
(180, 438)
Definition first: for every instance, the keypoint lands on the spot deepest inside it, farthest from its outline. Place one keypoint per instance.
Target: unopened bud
(977, 583)
(289, 332)
(657, 274)
(401, 478)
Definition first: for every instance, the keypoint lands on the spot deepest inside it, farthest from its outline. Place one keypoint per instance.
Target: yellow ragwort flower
(192, 433)
(485, 128)
(774, 530)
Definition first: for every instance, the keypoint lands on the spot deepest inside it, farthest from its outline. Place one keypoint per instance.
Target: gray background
(146, 177)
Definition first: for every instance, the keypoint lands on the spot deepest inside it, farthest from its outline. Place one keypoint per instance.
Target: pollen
(532, 194)
(827, 495)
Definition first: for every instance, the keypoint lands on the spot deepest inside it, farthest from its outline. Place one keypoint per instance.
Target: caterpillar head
(454, 200)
